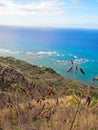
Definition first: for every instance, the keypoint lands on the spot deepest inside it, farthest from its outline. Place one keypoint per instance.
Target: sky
(50, 13)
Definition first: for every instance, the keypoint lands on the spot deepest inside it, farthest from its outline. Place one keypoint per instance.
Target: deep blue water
(53, 48)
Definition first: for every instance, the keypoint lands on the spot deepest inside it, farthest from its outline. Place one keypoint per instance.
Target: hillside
(37, 98)
(17, 72)
(20, 73)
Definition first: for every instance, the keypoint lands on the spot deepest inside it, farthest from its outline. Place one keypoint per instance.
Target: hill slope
(37, 98)
(14, 71)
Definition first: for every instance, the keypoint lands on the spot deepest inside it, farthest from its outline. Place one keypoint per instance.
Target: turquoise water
(53, 48)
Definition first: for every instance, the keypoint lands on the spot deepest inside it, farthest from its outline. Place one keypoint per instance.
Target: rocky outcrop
(9, 76)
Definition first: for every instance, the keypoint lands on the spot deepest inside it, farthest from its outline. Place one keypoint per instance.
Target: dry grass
(49, 114)
(37, 99)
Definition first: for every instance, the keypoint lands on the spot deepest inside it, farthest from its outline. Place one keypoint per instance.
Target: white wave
(4, 51)
(41, 54)
(81, 61)
(46, 53)
(58, 55)
(67, 62)
(33, 55)
(75, 57)
(69, 54)
(29, 53)
(60, 62)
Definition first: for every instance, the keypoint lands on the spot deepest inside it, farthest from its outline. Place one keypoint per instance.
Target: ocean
(53, 47)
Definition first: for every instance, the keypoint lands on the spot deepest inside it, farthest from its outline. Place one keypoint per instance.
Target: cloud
(42, 7)
(2, 5)
(76, 3)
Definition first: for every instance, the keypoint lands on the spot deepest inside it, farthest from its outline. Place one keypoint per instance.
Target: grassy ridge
(37, 98)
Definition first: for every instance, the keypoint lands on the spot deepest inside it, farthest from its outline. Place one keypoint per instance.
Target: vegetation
(37, 98)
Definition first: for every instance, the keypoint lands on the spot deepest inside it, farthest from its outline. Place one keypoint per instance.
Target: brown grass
(50, 115)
